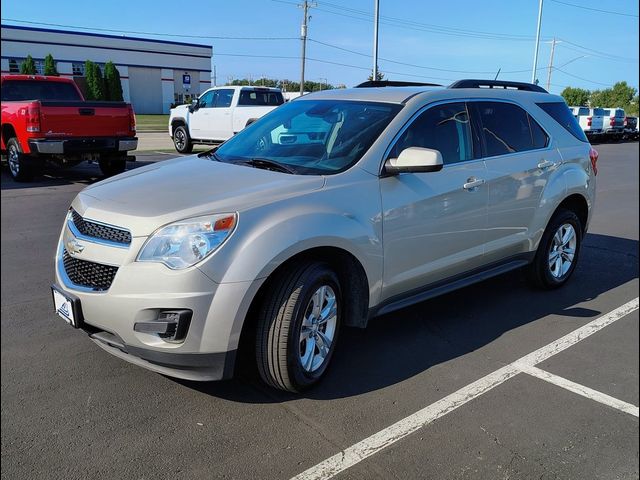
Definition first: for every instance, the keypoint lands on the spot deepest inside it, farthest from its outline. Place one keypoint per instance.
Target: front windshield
(310, 136)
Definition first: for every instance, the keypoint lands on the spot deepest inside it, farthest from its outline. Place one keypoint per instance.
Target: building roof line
(103, 35)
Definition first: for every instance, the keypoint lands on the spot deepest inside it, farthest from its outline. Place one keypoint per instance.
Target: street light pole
(535, 52)
(376, 17)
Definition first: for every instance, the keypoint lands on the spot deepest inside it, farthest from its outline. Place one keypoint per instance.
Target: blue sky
(430, 41)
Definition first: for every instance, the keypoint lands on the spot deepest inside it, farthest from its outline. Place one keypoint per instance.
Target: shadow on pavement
(400, 345)
(83, 174)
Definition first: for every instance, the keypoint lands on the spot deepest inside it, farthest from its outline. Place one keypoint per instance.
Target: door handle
(472, 184)
(543, 165)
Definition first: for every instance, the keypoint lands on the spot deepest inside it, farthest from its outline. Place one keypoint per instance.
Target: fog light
(171, 325)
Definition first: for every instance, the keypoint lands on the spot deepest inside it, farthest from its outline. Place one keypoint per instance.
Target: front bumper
(139, 292)
(83, 145)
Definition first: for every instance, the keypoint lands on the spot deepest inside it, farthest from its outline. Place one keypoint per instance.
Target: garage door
(145, 88)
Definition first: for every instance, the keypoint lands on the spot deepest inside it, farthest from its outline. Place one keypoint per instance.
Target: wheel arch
(353, 281)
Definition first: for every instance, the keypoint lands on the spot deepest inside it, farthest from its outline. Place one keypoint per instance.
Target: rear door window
(561, 114)
(507, 128)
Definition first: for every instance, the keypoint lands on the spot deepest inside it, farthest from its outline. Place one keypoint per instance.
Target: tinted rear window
(260, 98)
(583, 111)
(598, 112)
(16, 90)
(507, 128)
(561, 114)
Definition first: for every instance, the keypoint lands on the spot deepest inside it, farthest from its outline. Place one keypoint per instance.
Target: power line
(484, 72)
(157, 34)
(426, 28)
(582, 78)
(441, 28)
(596, 9)
(599, 53)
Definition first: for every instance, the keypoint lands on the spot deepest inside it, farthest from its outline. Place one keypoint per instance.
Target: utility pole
(535, 52)
(376, 17)
(303, 36)
(553, 47)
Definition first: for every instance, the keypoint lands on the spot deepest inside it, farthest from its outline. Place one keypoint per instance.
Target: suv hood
(146, 198)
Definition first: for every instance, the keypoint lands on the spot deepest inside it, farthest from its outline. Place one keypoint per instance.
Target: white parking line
(388, 436)
(579, 389)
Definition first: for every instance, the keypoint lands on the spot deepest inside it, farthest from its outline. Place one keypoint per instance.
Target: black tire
(278, 336)
(182, 140)
(112, 165)
(20, 165)
(540, 274)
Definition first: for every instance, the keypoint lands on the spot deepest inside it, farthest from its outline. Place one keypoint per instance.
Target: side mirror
(414, 160)
(194, 105)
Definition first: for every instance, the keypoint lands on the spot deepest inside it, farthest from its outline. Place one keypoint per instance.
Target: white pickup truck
(591, 120)
(219, 113)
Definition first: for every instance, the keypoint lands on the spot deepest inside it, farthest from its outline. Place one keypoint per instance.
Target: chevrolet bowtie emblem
(74, 246)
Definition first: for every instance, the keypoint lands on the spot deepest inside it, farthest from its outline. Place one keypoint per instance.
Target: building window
(14, 67)
(78, 69)
(39, 66)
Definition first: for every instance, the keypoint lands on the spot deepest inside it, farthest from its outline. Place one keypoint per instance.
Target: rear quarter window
(561, 114)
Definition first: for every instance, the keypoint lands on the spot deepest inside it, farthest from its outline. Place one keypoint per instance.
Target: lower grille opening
(88, 274)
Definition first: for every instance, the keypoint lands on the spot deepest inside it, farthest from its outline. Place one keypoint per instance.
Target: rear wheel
(298, 327)
(20, 167)
(112, 165)
(557, 254)
(181, 140)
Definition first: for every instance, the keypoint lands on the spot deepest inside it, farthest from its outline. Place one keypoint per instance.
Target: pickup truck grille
(88, 274)
(99, 230)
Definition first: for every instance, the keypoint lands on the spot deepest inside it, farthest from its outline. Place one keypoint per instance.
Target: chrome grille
(88, 274)
(99, 230)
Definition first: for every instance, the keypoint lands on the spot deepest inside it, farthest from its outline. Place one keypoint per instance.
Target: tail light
(31, 114)
(132, 119)
(612, 121)
(626, 121)
(593, 156)
(589, 121)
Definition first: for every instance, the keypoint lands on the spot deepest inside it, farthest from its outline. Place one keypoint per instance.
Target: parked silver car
(333, 208)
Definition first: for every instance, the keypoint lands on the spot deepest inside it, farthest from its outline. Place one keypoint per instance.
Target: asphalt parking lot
(446, 389)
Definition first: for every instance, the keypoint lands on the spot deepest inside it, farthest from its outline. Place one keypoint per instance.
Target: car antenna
(498, 73)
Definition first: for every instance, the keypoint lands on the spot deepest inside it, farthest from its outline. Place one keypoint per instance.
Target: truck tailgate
(84, 119)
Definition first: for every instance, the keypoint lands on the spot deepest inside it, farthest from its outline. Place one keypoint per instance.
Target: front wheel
(181, 140)
(557, 254)
(298, 327)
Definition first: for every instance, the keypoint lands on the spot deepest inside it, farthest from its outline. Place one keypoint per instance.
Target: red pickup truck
(47, 119)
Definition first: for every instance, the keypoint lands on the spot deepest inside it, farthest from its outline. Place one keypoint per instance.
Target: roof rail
(394, 83)
(471, 83)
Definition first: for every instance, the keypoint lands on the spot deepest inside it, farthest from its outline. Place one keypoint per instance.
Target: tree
(28, 67)
(50, 66)
(620, 95)
(576, 97)
(379, 76)
(95, 82)
(113, 86)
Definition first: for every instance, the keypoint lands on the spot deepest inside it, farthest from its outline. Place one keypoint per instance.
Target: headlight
(187, 242)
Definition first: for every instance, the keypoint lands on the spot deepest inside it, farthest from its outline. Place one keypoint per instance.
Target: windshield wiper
(268, 165)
